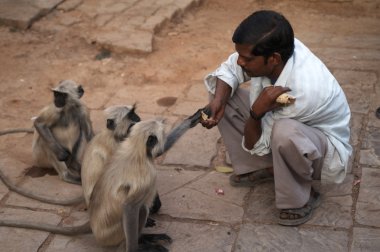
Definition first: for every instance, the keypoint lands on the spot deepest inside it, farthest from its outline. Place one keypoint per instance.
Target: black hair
(269, 32)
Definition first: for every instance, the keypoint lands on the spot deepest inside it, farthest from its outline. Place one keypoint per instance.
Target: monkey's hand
(196, 117)
(63, 154)
(73, 165)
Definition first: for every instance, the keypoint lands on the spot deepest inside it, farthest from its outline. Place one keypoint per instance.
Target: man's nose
(240, 62)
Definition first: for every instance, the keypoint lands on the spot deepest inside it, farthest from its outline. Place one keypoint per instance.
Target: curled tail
(76, 230)
(31, 195)
(16, 130)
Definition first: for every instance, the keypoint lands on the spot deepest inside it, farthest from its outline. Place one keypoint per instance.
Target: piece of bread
(204, 116)
(285, 99)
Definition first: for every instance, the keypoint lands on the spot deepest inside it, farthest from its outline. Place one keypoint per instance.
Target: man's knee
(283, 132)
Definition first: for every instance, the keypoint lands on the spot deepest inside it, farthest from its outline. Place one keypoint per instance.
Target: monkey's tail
(76, 230)
(17, 130)
(31, 195)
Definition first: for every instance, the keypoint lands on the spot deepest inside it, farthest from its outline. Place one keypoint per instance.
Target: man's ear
(276, 58)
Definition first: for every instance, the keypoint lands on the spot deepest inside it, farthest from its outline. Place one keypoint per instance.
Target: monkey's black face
(150, 143)
(133, 116)
(59, 99)
(80, 91)
(111, 125)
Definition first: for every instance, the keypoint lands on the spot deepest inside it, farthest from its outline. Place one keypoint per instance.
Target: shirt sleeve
(229, 72)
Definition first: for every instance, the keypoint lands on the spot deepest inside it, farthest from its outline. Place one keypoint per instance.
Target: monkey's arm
(86, 125)
(46, 134)
(179, 130)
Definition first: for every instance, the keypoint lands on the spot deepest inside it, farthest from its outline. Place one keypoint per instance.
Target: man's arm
(218, 104)
(252, 132)
(264, 103)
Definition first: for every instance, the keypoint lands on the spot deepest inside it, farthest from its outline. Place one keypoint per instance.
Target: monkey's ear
(111, 124)
(80, 91)
(133, 116)
(150, 143)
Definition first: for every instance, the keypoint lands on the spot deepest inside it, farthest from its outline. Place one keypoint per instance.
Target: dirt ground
(184, 51)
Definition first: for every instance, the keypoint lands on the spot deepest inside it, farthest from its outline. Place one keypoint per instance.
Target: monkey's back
(97, 154)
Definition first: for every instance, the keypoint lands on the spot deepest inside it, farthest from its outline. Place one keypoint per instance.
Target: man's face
(254, 66)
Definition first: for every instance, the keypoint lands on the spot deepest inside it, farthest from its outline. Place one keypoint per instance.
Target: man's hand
(215, 109)
(267, 99)
(215, 112)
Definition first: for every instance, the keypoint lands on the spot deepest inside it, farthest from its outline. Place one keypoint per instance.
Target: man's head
(264, 35)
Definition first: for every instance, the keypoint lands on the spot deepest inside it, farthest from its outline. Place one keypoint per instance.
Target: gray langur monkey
(119, 203)
(119, 120)
(63, 129)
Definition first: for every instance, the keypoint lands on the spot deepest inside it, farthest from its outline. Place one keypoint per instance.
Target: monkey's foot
(151, 248)
(150, 222)
(72, 179)
(156, 205)
(154, 238)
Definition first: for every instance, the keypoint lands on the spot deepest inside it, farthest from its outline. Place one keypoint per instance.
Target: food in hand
(286, 99)
(204, 116)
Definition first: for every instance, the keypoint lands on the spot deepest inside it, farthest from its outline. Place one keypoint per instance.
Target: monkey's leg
(156, 205)
(131, 220)
(44, 157)
(152, 210)
(74, 160)
(64, 173)
(77, 152)
(40, 153)
(149, 242)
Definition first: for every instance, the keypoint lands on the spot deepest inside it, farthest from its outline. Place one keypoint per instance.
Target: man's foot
(252, 178)
(298, 216)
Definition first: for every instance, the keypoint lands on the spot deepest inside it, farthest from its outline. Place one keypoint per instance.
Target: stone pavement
(104, 20)
(192, 213)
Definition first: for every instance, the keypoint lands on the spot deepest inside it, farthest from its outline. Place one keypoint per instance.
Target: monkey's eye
(59, 94)
(111, 124)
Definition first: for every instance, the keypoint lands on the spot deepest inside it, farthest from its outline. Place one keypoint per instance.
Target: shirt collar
(284, 76)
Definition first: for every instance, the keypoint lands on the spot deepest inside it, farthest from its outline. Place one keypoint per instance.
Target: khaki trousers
(297, 153)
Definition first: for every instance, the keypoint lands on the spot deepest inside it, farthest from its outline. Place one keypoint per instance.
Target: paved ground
(184, 40)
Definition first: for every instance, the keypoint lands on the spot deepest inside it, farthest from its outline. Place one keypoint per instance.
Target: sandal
(297, 216)
(251, 179)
